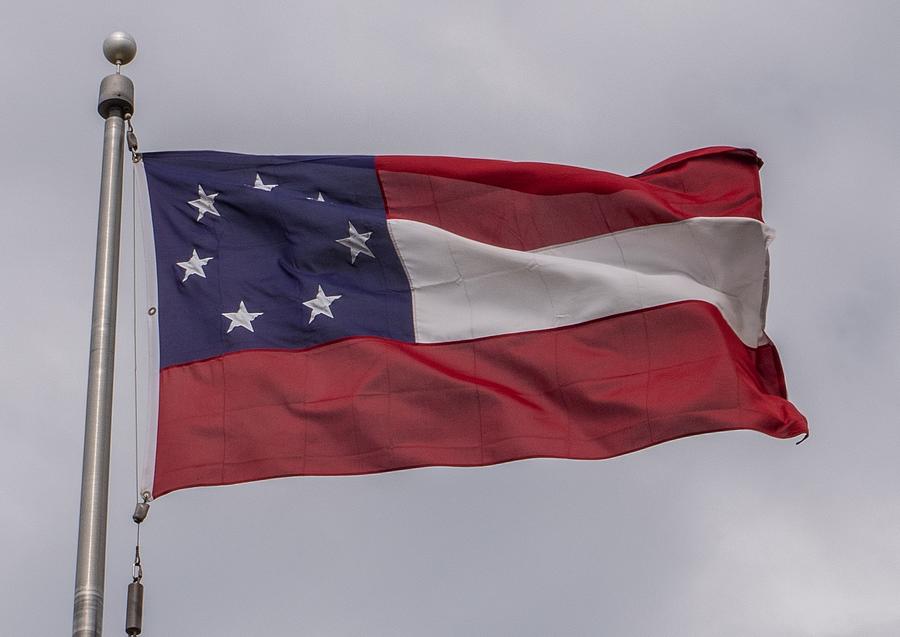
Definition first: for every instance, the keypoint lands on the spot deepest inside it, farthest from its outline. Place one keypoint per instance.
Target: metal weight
(134, 610)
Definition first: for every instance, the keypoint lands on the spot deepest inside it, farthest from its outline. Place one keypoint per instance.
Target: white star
(241, 318)
(321, 304)
(356, 242)
(259, 185)
(205, 203)
(194, 265)
(319, 198)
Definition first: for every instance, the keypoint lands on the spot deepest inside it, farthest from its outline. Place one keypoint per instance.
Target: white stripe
(465, 289)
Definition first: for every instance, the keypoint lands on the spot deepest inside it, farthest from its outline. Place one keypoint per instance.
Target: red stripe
(365, 405)
(524, 205)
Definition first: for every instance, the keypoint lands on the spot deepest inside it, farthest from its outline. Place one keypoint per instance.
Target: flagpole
(116, 102)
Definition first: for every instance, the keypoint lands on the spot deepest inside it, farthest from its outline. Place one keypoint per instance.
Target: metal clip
(137, 571)
(141, 509)
(132, 140)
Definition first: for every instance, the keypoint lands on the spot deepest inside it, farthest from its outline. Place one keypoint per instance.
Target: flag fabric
(347, 315)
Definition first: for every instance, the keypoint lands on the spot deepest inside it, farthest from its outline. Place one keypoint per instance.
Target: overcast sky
(730, 534)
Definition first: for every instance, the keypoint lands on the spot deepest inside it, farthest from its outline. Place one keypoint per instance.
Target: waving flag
(349, 315)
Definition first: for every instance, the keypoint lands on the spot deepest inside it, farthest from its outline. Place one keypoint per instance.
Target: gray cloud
(733, 534)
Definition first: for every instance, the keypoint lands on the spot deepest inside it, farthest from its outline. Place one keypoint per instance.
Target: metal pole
(115, 103)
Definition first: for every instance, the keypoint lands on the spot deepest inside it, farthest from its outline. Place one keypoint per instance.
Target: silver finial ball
(119, 47)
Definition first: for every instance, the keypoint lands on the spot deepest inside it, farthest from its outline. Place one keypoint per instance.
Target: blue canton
(263, 252)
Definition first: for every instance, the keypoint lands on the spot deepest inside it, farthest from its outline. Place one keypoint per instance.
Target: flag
(347, 315)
